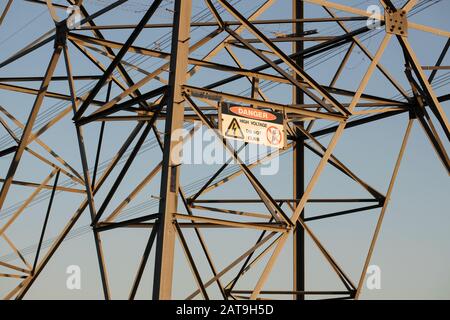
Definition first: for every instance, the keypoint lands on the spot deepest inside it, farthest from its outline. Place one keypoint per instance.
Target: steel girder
(174, 91)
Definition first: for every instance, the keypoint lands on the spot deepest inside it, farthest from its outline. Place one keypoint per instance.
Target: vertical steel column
(298, 161)
(162, 283)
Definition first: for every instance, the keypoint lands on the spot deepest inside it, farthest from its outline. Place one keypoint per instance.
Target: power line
(194, 185)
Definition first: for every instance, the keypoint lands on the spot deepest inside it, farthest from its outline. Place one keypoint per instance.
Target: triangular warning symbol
(234, 130)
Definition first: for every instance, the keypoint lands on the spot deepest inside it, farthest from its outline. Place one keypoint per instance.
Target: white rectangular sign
(253, 125)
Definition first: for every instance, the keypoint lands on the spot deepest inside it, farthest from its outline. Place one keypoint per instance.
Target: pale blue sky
(413, 250)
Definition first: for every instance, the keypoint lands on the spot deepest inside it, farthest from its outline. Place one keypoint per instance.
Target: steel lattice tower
(161, 100)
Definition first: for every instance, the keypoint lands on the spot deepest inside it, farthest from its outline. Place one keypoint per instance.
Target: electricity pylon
(165, 97)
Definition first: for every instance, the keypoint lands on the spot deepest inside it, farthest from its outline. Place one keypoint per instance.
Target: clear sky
(413, 250)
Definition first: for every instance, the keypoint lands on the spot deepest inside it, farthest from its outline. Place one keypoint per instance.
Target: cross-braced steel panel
(215, 51)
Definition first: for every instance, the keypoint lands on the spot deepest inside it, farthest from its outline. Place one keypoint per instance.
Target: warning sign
(252, 125)
(234, 130)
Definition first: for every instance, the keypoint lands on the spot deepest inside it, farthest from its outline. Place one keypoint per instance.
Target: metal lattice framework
(175, 93)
